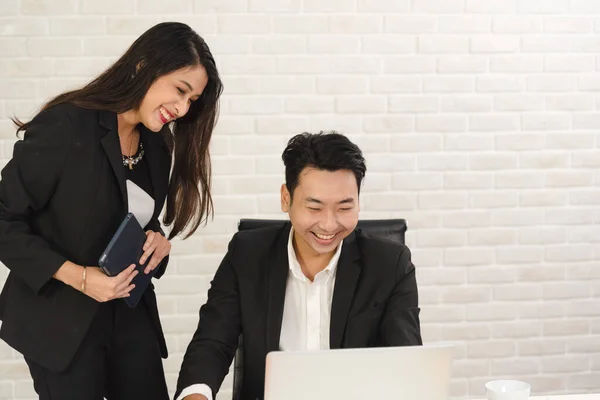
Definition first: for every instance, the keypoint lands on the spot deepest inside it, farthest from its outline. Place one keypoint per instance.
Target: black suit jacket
(62, 197)
(375, 304)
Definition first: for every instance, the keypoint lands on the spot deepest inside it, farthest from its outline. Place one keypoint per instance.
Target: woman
(89, 157)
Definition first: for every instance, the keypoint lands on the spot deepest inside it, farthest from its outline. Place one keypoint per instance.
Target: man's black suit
(375, 304)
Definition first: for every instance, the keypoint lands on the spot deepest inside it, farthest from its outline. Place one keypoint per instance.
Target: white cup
(507, 390)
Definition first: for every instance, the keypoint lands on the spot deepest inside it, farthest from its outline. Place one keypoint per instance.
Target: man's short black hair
(328, 151)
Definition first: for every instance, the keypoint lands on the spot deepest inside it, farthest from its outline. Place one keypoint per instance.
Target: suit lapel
(157, 157)
(277, 280)
(112, 147)
(348, 272)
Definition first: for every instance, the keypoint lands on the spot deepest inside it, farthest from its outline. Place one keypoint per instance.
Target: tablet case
(126, 248)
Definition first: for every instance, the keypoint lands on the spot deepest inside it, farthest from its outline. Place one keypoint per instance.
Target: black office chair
(393, 229)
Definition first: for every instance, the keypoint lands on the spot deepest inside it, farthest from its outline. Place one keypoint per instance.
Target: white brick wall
(479, 123)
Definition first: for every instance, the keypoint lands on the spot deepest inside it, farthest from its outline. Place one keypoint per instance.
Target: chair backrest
(392, 229)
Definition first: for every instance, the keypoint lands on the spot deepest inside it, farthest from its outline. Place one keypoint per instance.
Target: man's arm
(196, 392)
(215, 341)
(400, 324)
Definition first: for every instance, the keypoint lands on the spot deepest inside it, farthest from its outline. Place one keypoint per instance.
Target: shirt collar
(295, 264)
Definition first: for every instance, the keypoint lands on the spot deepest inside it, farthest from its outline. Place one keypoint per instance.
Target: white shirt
(306, 311)
(140, 203)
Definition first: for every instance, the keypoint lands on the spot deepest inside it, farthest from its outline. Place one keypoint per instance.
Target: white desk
(567, 397)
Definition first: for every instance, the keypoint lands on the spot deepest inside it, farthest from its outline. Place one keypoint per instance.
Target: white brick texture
(478, 119)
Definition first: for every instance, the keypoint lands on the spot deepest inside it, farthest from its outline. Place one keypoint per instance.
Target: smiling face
(324, 210)
(170, 96)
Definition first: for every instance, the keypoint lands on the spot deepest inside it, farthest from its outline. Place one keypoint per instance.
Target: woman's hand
(102, 287)
(156, 246)
(97, 284)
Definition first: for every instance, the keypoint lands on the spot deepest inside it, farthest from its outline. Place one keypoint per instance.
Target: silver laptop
(406, 373)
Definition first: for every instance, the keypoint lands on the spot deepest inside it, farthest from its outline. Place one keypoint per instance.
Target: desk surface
(567, 397)
(570, 397)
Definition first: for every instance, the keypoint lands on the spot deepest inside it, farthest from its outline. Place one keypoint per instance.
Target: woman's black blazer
(62, 196)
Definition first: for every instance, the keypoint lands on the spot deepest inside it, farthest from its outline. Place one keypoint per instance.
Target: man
(314, 283)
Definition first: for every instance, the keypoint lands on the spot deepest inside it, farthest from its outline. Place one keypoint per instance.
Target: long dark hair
(162, 49)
